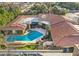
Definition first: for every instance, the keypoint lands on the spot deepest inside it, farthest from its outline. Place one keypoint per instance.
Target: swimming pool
(32, 35)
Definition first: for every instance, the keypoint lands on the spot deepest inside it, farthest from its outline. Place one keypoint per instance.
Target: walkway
(33, 52)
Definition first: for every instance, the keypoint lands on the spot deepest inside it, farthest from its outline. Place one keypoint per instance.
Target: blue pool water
(28, 37)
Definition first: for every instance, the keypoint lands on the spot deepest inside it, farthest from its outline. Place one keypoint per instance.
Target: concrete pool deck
(40, 30)
(29, 42)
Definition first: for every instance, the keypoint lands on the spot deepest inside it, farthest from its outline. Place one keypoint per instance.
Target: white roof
(45, 22)
(29, 20)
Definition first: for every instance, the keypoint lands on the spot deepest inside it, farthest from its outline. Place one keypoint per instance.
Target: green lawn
(1, 41)
(27, 47)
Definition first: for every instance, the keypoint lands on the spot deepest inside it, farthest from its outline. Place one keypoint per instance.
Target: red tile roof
(16, 22)
(61, 30)
(13, 28)
(17, 19)
(51, 18)
(69, 41)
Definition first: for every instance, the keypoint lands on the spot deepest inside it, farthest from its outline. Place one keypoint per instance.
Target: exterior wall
(1, 34)
(19, 32)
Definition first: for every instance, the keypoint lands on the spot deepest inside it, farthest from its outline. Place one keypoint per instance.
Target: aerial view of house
(28, 29)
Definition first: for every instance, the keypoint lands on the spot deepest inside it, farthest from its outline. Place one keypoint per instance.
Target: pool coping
(33, 41)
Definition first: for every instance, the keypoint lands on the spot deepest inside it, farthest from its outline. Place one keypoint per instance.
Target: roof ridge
(58, 22)
(72, 27)
(66, 35)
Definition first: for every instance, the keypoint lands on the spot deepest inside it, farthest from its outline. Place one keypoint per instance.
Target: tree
(47, 8)
(60, 11)
(69, 5)
(8, 14)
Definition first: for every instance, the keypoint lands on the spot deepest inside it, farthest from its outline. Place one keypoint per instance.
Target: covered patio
(32, 22)
(17, 29)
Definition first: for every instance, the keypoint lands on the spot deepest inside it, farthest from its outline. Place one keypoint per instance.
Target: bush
(2, 46)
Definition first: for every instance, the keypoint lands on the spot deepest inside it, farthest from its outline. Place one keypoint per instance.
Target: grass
(1, 40)
(27, 47)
